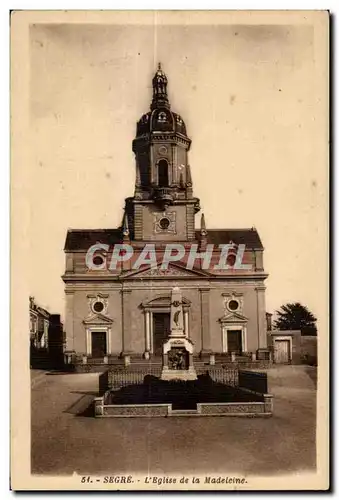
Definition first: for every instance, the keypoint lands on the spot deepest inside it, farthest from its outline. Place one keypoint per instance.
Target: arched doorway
(163, 173)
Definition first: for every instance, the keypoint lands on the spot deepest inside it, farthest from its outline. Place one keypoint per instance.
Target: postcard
(169, 250)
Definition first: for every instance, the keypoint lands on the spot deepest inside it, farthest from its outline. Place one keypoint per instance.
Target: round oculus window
(233, 305)
(164, 223)
(98, 307)
(98, 260)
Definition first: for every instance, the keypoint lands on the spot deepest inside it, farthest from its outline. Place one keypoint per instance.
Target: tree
(295, 316)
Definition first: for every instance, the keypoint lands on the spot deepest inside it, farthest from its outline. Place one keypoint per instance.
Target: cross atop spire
(159, 82)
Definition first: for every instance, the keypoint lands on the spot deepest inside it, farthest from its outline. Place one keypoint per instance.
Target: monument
(177, 355)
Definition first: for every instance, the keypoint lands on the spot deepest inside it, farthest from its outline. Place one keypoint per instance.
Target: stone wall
(207, 307)
(309, 349)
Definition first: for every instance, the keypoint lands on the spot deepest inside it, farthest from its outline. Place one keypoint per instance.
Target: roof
(248, 237)
(82, 239)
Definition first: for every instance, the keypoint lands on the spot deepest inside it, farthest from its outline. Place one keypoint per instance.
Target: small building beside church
(122, 311)
(46, 337)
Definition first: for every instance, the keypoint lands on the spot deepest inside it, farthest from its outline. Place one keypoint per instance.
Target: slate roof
(82, 239)
(248, 237)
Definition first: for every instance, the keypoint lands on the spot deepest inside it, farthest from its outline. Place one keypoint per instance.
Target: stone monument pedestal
(178, 349)
(178, 360)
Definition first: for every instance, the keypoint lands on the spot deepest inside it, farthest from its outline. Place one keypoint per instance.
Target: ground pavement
(64, 442)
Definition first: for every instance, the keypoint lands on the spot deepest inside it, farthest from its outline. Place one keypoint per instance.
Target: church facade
(118, 291)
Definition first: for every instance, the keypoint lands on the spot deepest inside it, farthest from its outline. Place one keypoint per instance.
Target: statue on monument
(176, 311)
(176, 318)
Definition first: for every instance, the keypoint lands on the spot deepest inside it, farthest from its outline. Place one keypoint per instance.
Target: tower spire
(203, 230)
(203, 233)
(159, 83)
(125, 229)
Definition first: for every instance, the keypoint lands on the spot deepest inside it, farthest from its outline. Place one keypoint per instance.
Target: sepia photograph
(169, 214)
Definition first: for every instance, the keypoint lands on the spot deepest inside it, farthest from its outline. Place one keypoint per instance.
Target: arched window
(163, 173)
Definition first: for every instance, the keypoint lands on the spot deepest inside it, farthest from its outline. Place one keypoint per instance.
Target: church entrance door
(234, 341)
(161, 331)
(99, 347)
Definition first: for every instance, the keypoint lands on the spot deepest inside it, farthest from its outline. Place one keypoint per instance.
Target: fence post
(99, 406)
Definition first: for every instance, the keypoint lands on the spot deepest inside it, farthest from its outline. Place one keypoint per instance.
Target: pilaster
(190, 221)
(205, 318)
(138, 221)
(126, 322)
(261, 317)
(69, 321)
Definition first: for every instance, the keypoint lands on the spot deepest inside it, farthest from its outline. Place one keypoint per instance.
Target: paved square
(63, 442)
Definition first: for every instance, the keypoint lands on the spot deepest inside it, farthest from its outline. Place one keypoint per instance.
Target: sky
(254, 102)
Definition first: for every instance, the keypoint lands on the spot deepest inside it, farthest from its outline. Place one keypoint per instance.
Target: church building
(122, 310)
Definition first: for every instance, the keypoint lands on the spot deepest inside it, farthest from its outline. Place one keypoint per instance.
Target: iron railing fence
(226, 376)
(123, 377)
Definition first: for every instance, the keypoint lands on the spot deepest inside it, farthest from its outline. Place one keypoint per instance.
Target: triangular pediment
(172, 270)
(233, 317)
(98, 319)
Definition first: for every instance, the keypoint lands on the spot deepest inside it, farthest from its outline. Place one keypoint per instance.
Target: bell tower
(163, 205)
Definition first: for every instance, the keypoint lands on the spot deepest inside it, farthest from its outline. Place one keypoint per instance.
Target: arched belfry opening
(163, 173)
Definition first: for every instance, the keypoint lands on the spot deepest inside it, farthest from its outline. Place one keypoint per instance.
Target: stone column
(244, 339)
(88, 342)
(147, 334)
(126, 322)
(151, 162)
(109, 341)
(205, 320)
(261, 317)
(186, 331)
(174, 165)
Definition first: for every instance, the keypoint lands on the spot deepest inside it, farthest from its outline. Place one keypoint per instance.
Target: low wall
(159, 410)
(249, 409)
(264, 408)
(309, 349)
